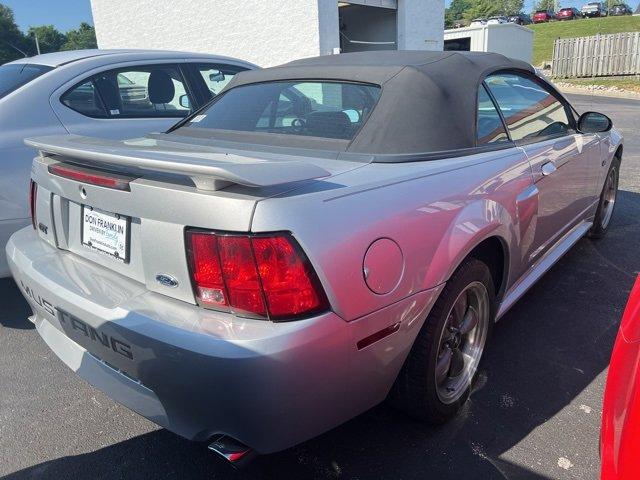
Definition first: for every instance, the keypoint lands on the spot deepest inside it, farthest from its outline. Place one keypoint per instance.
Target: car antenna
(23, 53)
(14, 47)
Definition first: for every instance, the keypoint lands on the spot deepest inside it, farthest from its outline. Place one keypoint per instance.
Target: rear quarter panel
(436, 211)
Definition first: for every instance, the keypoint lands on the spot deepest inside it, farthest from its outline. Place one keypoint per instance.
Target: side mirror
(184, 101)
(594, 122)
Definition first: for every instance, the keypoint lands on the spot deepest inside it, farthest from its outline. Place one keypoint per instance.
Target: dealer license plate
(106, 232)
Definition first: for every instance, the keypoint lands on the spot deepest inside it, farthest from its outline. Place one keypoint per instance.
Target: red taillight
(241, 276)
(260, 276)
(206, 270)
(290, 285)
(33, 197)
(92, 177)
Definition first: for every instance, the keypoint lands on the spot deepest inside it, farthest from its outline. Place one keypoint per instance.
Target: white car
(497, 20)
(115, 94)
(477, 22)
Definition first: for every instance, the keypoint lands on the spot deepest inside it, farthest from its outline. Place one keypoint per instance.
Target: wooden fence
(599, 55)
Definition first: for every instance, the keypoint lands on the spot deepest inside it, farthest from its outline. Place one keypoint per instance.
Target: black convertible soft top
(428, 102)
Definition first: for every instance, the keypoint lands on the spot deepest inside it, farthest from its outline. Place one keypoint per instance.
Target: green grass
(625, 83)
(546, 33)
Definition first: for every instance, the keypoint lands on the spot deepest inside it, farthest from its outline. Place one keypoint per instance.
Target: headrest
(328, 124)
(161, 88)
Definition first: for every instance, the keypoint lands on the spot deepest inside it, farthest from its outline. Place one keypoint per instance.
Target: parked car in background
(107, 93)
(311, 242)
(542, 16)
(497, 20)
(620, 9)
(476, 22)
(594, 9)
(620, 436)
(520, 19)
(568, 14)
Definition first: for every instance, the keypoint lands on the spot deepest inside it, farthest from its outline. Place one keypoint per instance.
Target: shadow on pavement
(14, 311)
(543, 354)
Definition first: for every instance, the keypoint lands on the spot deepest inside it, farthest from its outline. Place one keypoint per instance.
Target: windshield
(324, 109)
(13, 76)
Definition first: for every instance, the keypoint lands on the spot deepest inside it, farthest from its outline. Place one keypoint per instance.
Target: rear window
(334, 110)
(14, 76)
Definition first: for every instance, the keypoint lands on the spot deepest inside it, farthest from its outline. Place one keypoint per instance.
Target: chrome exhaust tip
(234, 452)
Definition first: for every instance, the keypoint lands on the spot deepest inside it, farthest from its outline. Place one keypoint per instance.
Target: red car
(542, 16)
(620, 437)
(568, 14)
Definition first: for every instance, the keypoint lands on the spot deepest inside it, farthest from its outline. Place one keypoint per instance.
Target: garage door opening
(458, 44)
(365, 28)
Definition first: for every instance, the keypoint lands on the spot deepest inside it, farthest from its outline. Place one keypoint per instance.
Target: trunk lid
(171, 186)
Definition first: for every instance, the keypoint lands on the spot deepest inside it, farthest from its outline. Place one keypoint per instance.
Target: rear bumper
(7, 228)
(199, 373)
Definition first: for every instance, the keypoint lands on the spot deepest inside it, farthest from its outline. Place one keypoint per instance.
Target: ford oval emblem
(166, 280)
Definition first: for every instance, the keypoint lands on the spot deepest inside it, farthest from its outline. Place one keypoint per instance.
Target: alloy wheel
(462, 342)
(609, 197)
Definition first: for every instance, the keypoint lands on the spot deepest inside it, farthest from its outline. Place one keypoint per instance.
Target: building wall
(420, 24)
(265, 32)
(214, 26)
(328, 21)
(508, 39)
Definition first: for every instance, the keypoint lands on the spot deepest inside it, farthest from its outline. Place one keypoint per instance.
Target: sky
(63, 14)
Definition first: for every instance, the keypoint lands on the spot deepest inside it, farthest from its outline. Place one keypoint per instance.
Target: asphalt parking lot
(535, 412)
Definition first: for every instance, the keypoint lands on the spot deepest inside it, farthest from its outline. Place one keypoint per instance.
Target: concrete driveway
(535, 412)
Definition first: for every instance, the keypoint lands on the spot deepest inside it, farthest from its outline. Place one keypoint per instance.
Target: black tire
(415, 390)
(601, 223)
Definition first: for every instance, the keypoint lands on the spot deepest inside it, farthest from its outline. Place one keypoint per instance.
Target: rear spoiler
(208, 170)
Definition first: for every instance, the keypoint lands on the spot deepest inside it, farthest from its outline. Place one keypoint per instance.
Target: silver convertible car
(320, 237)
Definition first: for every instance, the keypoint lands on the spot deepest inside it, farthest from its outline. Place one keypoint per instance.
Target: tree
(82, 38)
(546, 5)
(483, 9)
(491, 8)
(11, 38)
(511, 7)
(49, 39)
(456, 10)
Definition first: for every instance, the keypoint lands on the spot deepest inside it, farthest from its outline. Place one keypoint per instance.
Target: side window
(530, 111)
(490, 128)
(84, 99)
(153, 91)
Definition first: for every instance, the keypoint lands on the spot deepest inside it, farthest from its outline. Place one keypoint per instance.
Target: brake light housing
(33, 198)
(264, 276)
(91, 176)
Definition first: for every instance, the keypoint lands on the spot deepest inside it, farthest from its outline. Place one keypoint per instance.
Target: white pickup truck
(594, 9)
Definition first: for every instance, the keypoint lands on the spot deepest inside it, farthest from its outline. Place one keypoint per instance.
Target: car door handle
(548, 168)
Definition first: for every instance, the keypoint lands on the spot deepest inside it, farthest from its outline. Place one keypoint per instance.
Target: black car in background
(620, 9)
(520, 19)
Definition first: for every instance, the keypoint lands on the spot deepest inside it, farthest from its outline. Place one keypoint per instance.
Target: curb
(598, 93)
